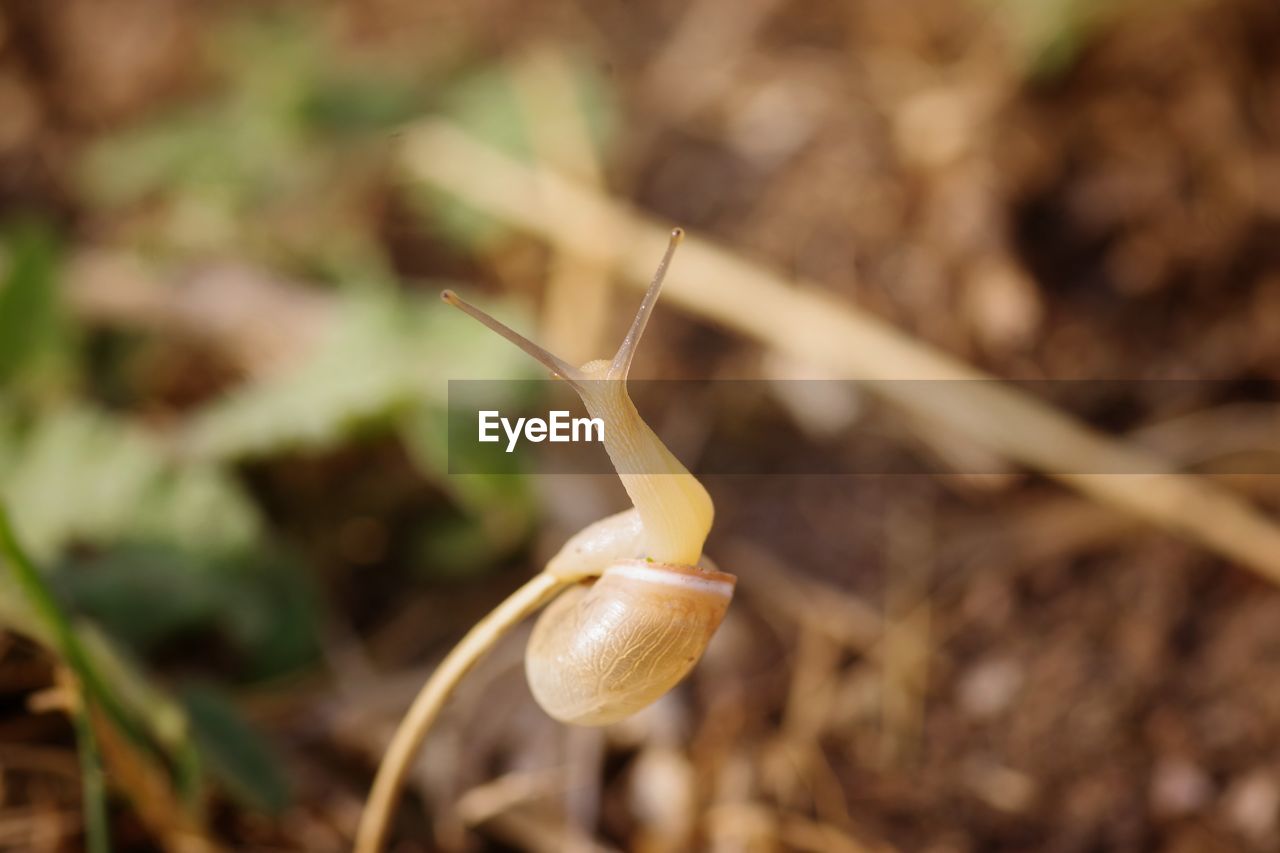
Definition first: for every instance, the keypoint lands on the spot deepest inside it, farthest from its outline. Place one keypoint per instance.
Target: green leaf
(28, 297)
(361, 372)
(142, 595)
(388, 360)
(360, 103)
(258, 605)
(385, 355)
(270, 613)
(78, 475)
(235, 754)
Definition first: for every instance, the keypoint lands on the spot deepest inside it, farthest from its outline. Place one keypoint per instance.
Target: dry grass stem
(576, 303)
(487, 801)
(800, 319)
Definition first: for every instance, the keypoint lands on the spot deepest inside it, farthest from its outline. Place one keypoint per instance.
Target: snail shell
(604, 650)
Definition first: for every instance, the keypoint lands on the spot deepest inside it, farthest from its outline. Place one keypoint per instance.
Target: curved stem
(426, 707)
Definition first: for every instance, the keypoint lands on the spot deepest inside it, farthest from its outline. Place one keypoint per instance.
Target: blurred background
(223, 368)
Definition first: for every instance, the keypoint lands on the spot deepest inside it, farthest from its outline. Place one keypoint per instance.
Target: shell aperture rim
(709, 582)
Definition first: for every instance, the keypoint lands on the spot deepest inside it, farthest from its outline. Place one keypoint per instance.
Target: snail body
(642, 608)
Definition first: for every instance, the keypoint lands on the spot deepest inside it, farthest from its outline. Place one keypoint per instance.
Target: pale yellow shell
(604, 650)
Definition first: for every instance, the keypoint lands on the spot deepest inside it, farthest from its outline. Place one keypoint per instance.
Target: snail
(632, 602)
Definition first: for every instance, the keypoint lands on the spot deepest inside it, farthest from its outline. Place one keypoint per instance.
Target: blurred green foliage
(38, 343)
(77, 475)
(384, 354)
(236, 755)
(255, 606)
(147, 540)
(28, 304)
(281, 162)
(1050, 34)
(274, 165)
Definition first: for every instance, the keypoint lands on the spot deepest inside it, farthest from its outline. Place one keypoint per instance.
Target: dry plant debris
(964, 662)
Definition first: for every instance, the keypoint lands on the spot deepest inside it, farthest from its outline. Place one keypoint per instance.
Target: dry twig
(800, 319)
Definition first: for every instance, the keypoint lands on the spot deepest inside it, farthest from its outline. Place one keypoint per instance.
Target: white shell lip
(683, 577)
